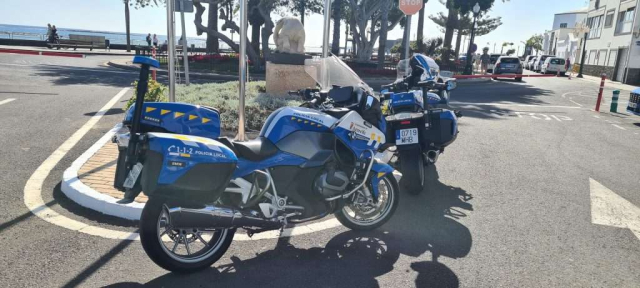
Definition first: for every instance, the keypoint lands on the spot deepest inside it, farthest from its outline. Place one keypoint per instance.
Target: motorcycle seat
(256, 150)
(337, 112)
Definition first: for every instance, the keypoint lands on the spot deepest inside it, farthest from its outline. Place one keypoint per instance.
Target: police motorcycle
(307, 163)
(418, 122)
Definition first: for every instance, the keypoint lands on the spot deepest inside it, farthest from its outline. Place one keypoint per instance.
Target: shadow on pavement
(477, 100)
(68, 75)
(91, 215)
(354, 259)
(112, 111)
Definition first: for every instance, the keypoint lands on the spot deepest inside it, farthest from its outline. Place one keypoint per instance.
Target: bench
(82, 41)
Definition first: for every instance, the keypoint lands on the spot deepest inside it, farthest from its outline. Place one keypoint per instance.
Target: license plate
(133, 176)
(407, 136)
(511, 66)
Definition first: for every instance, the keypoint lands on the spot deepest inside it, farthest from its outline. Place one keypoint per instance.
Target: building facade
(562, 40)
(612, 46)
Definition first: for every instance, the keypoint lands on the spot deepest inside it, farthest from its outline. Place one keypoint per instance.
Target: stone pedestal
(282, 78)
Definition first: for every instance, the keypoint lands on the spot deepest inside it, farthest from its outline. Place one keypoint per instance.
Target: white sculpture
(289, 35)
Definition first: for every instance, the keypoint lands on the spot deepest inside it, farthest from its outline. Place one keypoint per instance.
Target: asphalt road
(508, 205)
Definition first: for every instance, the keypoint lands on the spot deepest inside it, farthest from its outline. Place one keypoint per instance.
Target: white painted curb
(87, 197)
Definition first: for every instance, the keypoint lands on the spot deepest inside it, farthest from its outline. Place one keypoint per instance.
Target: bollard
(604, 77)
(614, 101)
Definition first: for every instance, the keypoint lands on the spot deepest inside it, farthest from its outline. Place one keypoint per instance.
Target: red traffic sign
(410, 7)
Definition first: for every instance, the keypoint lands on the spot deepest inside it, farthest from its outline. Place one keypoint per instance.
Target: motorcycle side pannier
(186, 167)
(442, 127)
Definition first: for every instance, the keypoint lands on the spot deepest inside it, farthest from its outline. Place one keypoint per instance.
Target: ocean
(38, 33)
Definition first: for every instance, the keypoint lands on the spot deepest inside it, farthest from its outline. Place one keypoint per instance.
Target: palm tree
(337, 17)
(420, 41)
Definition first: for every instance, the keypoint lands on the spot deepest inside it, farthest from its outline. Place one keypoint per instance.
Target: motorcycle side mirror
(451, 84)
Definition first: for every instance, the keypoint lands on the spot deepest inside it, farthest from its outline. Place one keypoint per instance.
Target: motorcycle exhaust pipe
(432, 156)
(214, 217)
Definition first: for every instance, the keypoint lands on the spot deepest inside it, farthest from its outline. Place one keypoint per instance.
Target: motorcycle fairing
(287, 120)
(358, 134)
(413, 98)
(179, 118)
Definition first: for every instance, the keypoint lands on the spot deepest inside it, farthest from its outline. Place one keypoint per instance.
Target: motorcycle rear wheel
(163, 244)
(412, 169)
(372, 215)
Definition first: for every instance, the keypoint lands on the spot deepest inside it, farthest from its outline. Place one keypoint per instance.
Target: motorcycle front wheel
(363, 214)
(179, 250)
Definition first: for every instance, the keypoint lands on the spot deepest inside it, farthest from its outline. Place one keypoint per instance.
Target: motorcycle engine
(331, 183)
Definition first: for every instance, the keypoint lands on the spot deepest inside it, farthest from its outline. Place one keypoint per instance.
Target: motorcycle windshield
(331, 71)
(403, 69)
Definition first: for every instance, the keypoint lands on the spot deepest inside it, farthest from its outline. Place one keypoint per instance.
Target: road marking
(596, 116)
(609, 209)
(513, 105)
(574, 102)
(34, 202)
(618, 126)
(33, 189)
(5, 101)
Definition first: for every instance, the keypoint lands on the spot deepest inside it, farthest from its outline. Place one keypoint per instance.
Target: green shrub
(155, 93)
(224, 97)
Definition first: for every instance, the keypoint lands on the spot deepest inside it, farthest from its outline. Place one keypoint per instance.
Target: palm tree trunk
(212, 21)
(302, 8)
(458, 43)
(382, 46)
(420, 40)
(128, 24)
(337, 12)
(448, 35)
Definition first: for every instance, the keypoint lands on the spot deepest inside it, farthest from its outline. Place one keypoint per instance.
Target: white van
(554, 65)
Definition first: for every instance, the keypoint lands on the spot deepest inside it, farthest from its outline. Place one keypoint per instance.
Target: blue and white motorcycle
(417, 120)
(306, 164)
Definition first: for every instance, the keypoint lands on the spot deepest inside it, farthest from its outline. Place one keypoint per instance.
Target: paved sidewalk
(84, 51)
(99, 171)
(608, 83)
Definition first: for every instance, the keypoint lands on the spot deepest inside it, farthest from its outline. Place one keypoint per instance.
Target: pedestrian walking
(155, 40)
(149, 39)
(567, 67)
(49, 32)
(484, 60)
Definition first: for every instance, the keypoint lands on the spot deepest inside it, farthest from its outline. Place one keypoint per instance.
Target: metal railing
(22, 35)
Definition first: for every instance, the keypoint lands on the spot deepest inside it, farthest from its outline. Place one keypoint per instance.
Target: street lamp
(581, 28)
(468, 69)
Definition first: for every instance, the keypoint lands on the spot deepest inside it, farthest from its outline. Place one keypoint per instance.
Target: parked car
(537, 65)
(508, 65)
(526, 61)
(554, 65)
(493, 58)
(530, 63)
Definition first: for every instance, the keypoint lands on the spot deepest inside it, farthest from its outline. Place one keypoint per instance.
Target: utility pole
(171, 51)
(185, 46)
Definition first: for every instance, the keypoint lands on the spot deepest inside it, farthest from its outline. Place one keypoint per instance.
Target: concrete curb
(87, 197)
(219, 77)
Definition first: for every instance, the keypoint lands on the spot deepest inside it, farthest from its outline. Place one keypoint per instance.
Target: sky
(521, 18)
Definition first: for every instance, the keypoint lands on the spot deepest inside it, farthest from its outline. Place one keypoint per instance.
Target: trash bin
(634, 102)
